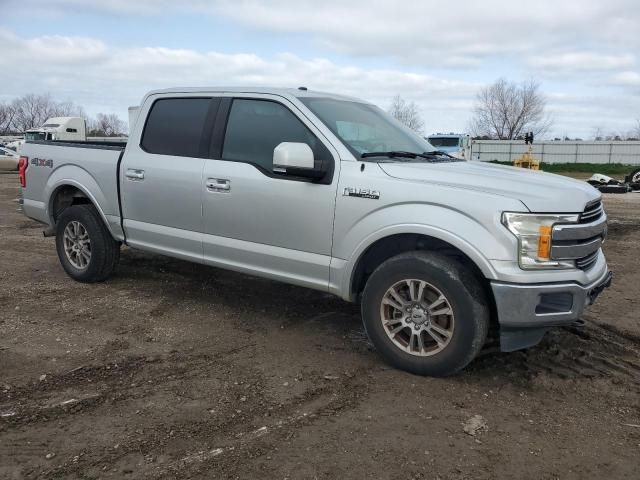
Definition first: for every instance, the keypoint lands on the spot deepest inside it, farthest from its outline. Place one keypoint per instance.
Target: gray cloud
(458, 32)
(103, 77)
(585, 48)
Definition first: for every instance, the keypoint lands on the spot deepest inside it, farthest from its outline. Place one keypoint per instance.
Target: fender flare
(51, 190)
(483, 264)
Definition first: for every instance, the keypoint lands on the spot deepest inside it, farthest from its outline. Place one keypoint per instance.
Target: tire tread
(105, 251)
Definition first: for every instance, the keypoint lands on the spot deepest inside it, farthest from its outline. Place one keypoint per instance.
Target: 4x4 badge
(361, 192)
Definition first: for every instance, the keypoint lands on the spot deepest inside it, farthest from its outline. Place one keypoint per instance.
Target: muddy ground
(173, 370)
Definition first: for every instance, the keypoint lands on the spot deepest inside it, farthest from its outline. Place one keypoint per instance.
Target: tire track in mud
(111, 382)
(318, 404)
(593, 351)
(110, 385)
(237, 440)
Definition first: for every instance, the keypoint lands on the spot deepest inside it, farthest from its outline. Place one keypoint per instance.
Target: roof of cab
(284, 92)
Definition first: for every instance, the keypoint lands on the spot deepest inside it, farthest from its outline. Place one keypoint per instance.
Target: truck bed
(91, 166)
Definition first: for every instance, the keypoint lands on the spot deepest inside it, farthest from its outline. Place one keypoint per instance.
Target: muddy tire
(86, 249)
(425, 313)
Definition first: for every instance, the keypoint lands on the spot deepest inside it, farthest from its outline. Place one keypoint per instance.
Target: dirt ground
(173, 370)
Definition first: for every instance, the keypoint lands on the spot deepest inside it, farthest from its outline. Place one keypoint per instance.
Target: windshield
(365, 128)
(34, 136)
(444, 141)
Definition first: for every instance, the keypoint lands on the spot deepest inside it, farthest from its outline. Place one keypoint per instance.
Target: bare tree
(33, 110)
(407, 113)
(68, 109)
(507, 110)
(7, 112)
(635, 131)
(598, 133)
(108, 125)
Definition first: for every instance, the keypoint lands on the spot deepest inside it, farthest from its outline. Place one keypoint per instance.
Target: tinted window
(175, 126)
(256, 127)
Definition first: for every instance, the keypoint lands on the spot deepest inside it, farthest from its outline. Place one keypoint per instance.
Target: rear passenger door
(257, 220)
(161, 175)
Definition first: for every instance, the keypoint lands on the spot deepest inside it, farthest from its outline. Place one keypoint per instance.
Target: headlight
(533, 232)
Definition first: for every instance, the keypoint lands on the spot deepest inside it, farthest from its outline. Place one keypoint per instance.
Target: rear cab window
(179, 126)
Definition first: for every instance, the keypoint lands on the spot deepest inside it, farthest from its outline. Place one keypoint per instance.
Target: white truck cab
(59, 129)
(455, 144)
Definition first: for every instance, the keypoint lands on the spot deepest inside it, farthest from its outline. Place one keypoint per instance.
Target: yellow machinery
(527, 160)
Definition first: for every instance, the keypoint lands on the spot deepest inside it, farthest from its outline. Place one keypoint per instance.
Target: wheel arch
(68, 193)
(384, 247)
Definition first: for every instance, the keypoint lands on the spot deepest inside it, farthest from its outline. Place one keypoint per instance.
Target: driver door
(256, 220)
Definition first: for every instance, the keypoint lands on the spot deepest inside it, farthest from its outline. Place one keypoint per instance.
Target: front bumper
(526, 311)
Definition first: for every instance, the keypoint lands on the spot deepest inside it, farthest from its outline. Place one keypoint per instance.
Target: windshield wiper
(439, 152)
(393, 154)
(401, 154)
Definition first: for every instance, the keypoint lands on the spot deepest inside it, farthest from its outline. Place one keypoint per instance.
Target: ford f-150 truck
(329, 192)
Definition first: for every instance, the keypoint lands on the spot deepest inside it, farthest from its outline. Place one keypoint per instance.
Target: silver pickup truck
(329, 192)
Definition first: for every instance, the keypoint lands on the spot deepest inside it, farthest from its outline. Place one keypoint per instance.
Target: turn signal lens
(544, 242)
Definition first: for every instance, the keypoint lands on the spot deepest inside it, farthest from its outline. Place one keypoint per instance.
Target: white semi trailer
(66, 129)
(59, 128)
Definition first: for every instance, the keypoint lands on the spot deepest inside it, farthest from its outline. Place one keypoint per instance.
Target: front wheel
(86, 249)
(426, 313)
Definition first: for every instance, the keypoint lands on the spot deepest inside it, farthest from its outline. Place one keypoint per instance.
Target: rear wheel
(425, 313)
(86, 249)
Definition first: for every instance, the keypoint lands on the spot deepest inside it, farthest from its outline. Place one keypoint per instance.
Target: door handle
(134, 174)
(220, 185)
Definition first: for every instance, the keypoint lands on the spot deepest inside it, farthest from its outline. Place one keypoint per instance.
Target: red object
(22, 170)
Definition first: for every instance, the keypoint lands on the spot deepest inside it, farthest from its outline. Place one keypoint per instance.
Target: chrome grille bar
(592, 212)
(581, 241)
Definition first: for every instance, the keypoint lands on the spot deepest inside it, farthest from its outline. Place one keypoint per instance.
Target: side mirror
(292, 155)
(296, 159)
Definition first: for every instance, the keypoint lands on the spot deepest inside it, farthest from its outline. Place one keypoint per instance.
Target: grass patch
(604, 168)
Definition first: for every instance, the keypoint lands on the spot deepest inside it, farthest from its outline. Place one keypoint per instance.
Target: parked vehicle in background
(331, 193)
(634, 177)
(8, 159)
(454, 144)
(67, 129)
(59, 128)
(14, 144)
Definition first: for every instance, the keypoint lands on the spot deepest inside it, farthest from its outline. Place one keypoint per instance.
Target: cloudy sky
(105, 54)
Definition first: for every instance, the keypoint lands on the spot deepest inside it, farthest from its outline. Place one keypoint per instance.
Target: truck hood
(539, 191)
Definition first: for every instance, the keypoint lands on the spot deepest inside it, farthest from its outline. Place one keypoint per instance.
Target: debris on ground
(474, 425)
(607, 184)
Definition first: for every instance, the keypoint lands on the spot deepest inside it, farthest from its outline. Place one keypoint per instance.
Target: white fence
(627, 152)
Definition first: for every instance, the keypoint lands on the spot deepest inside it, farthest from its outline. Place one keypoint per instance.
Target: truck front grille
(585, 263)
(581, 242)
(592, 212)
